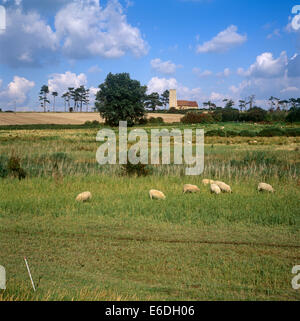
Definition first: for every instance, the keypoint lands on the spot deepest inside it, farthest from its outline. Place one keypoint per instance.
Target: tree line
(77, 97)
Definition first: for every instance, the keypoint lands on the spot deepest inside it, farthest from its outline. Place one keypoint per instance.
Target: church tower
(173, 98)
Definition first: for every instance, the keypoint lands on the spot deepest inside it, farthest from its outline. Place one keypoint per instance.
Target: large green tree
(121, 98)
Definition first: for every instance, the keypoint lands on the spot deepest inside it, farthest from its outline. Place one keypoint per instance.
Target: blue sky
(206, 49)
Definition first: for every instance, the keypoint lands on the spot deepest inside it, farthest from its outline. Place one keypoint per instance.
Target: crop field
(64, 118)
(123, 246)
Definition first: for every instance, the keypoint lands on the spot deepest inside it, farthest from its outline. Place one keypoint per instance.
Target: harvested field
(64, 118)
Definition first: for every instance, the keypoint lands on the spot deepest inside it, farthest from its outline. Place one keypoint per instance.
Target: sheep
(265, 187)
(207, 181)
(224, 187)
(190, 189)
(157, 195)
(84, 197)
(214, 188)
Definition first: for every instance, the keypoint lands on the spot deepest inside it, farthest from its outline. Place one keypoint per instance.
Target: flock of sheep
(216, 187)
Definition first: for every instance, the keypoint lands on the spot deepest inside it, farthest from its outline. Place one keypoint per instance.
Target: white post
(29, 274)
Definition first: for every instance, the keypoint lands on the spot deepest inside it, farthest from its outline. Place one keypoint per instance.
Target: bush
(197, 118)
(294, 115)
(217, 116)
(173, 110)
(255, 114)
(14, 168)
(271, 132)
(156, 120)
(219, 133)
(137, 169)
(143, 121)
(230, 114)
(3, 171)
(247, 133)
(292, 132)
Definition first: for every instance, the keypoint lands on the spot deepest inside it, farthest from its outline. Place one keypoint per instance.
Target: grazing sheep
(207, 181)
(224, 187)
(214, 188)
(157, 195)
(190, 189)
(84, 197)
(265, 187)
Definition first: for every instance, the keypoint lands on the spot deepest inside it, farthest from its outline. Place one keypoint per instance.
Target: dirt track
(64, 118)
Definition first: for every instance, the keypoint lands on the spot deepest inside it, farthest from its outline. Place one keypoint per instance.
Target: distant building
(181, 104)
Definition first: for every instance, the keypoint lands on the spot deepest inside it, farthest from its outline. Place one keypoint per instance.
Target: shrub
(230, 114)
(197, 118)
(14, 168)
(247, 133)
(218, 132)
(156, 120)
(88, 123)
(136, 169)
(217, 116)
(294, 115)
(143, 121)
(173, 110)
(3, 171)
(292, 132)
(255, 114)
(271, 132)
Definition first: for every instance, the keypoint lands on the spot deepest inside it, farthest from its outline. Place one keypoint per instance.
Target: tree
(165, 98)
(251, 101)
(229, 103)
(43, 97)
(152, 101)
(54, 94)
(210, 105)
(242, 105)
(66, 98)
(121, 98)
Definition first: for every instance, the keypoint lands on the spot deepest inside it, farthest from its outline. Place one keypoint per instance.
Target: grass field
(123, 246)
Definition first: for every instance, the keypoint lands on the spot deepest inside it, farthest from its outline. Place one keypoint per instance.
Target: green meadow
(123, 246)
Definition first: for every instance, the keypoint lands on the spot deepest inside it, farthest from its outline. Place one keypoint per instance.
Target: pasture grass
(123, 246)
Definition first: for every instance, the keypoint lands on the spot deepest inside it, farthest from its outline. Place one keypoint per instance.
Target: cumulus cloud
(16, 91)
(95, 69)
(61, 82)
(225, 73)
(86, 30)
(294, 66)
(161, 84)
(201, 74)
(27, 41)
(224, 41)
(164, 67)
(266, 66)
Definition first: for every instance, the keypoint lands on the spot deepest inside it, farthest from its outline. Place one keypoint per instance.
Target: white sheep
(157, 195)
(214, 188)
(190, 189)
(224, 187)
(84, 197)
(207, 181)
(265, 187)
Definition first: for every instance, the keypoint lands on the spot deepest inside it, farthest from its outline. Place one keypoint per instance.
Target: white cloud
(94, 69)
(289, 89)
(16, 92)
(275, 33)
(224, 41)
(61, 82)
(201, 74)
(266, 66)
(164, 67)
(225, 73)
(86, 30)
(27, 41)
(161, 84)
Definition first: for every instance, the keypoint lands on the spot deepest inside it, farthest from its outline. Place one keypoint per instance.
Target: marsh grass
(123, 246)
